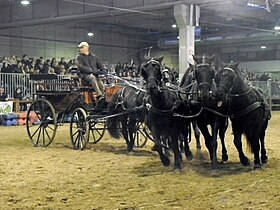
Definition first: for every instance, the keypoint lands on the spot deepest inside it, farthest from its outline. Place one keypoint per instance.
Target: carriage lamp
(25, 2)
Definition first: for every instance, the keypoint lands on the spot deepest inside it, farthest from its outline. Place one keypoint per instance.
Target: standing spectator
(62, 62)
(3, 95)
(46, 66)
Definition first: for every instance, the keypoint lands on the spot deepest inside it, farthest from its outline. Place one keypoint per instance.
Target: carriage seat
(90, 96)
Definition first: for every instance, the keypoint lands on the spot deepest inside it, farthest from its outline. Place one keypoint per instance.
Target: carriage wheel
(41, 123)
(79, 129)
(147, 132)
(97, 131)
(140, 137)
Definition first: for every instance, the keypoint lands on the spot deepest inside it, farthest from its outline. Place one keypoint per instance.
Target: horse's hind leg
(132, 129)
(222, 131)
(125, 132)
(262, 138)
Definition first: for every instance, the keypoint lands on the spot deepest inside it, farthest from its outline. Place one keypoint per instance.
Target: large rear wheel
(41, 123)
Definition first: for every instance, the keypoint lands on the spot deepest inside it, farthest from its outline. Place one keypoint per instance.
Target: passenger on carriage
(90, 66)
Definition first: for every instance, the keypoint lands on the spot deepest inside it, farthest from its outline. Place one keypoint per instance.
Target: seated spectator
(19, 95)
(39, 65)
(6, 68)
(3, 95)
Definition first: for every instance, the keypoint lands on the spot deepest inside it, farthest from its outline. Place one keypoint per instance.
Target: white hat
(82, 44)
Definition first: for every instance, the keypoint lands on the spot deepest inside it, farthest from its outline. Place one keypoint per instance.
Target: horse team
(204, 97)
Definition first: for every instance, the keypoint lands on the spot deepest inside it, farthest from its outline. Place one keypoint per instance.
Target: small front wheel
(79, 129)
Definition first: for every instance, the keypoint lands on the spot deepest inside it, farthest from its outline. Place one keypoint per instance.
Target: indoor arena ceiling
(152, 18)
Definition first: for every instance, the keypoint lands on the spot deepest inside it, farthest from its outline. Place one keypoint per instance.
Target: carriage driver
(90, 66)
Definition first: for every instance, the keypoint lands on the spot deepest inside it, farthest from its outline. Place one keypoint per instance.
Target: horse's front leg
(158, 147)
(222, 131)
(176, 151)
(215, 128)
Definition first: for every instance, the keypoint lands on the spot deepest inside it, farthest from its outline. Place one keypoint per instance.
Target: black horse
(127, 109)
(187, 86)
(204, 74)
(162, 105)
(248, 112)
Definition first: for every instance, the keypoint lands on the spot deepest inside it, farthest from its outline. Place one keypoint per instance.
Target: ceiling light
(263, 47)
(90, 34)
(25, 2)
(174, 25)
(277, 28)
(178, 37)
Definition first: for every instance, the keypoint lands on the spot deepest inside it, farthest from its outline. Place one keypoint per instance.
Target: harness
(230, 96)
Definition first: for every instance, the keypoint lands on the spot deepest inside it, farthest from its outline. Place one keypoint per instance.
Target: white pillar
(184, 16)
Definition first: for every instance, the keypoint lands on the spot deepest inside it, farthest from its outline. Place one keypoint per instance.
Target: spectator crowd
(39, 65)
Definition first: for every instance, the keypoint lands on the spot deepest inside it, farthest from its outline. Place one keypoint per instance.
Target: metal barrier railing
(11, 81)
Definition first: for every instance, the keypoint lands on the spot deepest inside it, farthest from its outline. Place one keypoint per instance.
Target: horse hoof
(165, 162)
(214, 167)
(177, 170)
(245, 161)
(264, 159)
(189, 156)
(225, 158)
(257, 166)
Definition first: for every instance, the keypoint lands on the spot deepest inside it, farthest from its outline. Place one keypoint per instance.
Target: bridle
(207, 84)
(229, 94)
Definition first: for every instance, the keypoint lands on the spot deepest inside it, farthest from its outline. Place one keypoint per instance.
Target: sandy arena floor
(105, 177)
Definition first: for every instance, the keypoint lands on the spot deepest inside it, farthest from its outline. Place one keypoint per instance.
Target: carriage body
(63, 99)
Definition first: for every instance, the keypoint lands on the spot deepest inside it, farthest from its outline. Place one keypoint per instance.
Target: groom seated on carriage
(90, 67)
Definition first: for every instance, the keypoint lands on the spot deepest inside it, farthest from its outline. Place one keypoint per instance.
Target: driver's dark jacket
(88, 64)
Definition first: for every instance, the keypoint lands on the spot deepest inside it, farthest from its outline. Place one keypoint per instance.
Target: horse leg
(222, 131)
(253, 139)
(197, 139)
(207, 137)
(188, 152)
(158, 147)
(131, 130)
(215, 128)
(125, 132)
(176, 152)
(262, 137)
(238, 144)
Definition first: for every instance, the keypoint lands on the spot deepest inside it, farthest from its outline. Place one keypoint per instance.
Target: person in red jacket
(90, 66)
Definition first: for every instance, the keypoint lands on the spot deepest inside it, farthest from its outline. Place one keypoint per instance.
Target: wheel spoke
(39, 136)
(35, 131)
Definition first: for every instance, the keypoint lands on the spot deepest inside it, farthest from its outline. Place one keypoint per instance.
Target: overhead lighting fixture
(25, 2)
(174, 25)
(90, 34)
(277, 28)
(263, 47)
(178, 37)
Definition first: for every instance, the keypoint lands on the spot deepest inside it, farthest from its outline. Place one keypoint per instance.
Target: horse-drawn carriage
(57, 101)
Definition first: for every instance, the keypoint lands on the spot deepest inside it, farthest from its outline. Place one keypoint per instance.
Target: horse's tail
(249, 144)
(113, 123)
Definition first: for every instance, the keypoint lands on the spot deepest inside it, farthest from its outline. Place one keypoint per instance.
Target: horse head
(204, 75)
(226, 79)
(151, 71)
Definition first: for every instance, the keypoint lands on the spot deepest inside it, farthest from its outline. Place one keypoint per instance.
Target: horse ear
(190, 65)
(212, 57)
(160, 59)
(146, 57)
(195, 58)
(235, 65)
